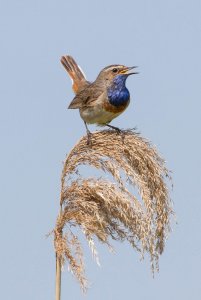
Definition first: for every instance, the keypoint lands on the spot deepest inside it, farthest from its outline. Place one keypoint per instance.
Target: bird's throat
(118, 94)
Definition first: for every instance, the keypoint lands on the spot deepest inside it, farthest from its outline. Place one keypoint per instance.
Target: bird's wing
(76, 74)
(86, 97)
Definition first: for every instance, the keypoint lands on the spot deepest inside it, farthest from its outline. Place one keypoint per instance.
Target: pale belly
(97, 115)
(101, 112)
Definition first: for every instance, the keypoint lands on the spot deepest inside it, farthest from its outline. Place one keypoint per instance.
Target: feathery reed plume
(107, 209)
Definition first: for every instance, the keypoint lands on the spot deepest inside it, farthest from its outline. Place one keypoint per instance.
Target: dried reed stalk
(58, 278)
(58, 272)
(107, 209)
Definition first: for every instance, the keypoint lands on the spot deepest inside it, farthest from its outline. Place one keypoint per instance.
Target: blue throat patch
(117, 93)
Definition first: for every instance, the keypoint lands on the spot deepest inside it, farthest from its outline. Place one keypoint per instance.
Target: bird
(101, 101)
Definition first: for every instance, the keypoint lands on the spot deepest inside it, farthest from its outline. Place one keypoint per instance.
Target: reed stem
(58, 278)
(58, 271)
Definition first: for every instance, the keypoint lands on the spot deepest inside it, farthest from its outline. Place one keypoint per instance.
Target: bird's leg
(118, 130)
(88, 134)
(115, 128)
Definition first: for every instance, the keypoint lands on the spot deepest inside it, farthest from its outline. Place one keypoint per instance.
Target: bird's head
(110, 72)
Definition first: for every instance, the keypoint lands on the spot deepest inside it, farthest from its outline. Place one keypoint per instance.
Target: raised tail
(78, 78)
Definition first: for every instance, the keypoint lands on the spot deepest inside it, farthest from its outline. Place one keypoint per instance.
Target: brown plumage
(104, 99)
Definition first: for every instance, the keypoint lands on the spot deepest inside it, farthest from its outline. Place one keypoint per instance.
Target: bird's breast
(110, 107)
(118, 100)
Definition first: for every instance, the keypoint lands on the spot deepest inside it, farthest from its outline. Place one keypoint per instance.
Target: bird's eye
(115, 70)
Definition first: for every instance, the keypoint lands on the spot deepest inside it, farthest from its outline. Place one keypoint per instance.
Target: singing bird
(104, 99)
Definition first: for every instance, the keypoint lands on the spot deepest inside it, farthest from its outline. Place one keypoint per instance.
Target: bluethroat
(104, 99)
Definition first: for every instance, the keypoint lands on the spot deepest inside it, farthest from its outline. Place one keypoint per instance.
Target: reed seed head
(107, 209)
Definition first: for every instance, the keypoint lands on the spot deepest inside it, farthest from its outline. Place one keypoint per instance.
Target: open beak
(126, 70)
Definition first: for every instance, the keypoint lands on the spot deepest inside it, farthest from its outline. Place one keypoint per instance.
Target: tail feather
(77, 76)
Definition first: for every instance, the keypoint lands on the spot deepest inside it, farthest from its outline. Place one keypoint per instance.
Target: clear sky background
(164, 39)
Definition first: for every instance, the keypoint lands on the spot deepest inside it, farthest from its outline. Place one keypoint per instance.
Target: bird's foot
(115, 128)
(119, 131)
(89, 141)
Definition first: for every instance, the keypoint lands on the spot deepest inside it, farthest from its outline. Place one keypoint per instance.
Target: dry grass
(106, 209)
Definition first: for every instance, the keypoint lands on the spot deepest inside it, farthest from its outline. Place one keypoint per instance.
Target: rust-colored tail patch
(74, 72)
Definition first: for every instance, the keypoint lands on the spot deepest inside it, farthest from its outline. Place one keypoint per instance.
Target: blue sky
(163, 39)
